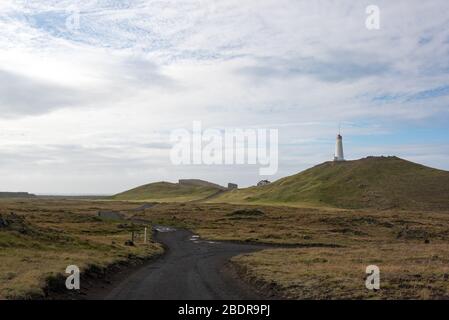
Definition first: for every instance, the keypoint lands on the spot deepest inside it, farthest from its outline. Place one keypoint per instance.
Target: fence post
(145, 236)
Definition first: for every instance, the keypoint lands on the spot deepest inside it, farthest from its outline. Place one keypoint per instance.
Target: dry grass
(335, 246)
(420, 271)
(49, 235)
(410, 248)
(305, 226)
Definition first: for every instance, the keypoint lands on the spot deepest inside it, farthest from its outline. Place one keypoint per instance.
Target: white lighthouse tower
(339, 149)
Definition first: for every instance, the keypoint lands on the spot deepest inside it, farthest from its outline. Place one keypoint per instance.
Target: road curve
(192, 269)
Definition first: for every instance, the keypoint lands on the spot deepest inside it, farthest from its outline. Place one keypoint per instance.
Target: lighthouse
(339, 149)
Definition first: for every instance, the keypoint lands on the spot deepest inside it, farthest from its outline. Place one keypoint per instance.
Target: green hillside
(189, 190)
(373, 182)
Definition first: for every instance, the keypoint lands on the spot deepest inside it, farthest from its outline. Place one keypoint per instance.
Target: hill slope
(187, 190)
(373, 182)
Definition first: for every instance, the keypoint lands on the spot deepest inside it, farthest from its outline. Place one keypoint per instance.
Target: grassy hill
(187, 190)
(373, 182)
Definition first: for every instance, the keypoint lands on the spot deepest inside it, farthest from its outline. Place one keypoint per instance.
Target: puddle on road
(196, 239)
(164, 229)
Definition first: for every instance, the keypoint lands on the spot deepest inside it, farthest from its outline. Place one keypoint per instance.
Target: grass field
(326, 253)
(40, 238)
(407, 271)
(333, 248)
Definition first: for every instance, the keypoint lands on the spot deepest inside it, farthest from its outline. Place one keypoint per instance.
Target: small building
(263, 183)
(232, 186)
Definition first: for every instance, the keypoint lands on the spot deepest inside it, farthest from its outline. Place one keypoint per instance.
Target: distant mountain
(373, 182)
(185, 190)
(16, 195)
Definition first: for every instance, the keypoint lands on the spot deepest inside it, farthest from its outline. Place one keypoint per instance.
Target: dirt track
(191, 269)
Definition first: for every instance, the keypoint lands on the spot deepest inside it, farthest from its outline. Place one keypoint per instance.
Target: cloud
(137, 71)
(21, 95)
(116, 79)
(94, 106)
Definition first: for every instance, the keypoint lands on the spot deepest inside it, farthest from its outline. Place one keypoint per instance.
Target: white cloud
(137, 69)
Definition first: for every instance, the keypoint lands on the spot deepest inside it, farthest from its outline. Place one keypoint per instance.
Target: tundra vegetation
(323, 252)
(39, 238)
(329, 222)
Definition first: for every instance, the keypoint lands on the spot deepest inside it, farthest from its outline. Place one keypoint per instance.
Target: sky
(91, 90)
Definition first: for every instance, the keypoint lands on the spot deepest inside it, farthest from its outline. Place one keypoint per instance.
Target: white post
(145, 236)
